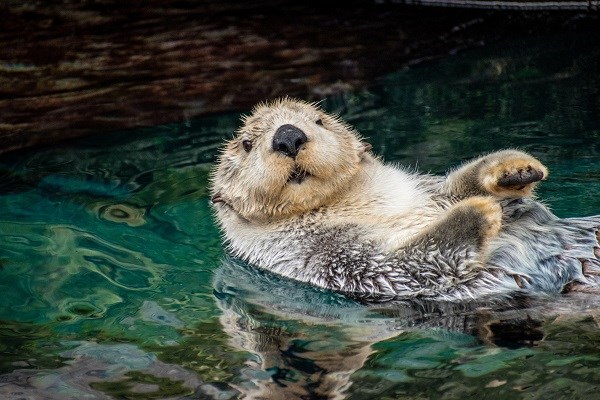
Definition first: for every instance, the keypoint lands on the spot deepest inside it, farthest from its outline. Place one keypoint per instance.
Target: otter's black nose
(288, 140)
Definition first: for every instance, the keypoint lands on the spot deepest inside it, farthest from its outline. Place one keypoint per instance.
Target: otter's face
(288, 158)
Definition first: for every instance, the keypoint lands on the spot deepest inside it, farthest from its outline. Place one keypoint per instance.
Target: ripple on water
(93, 304)
(132, 270)
(122, 213)
(66, 273)
(153, 312)
(99, 370)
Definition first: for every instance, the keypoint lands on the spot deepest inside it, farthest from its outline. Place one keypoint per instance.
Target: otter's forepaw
(490, 210)
(471, 222)
(514, 175)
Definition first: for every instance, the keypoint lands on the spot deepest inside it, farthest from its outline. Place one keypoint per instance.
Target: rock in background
(69, 69)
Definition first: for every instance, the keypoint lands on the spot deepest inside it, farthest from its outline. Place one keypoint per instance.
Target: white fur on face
(256, 184)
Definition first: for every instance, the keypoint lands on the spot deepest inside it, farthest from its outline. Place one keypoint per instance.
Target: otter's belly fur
(298, 193)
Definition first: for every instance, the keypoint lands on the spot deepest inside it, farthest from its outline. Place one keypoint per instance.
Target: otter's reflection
(306, 343)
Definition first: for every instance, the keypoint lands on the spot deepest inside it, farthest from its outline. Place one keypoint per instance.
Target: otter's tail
(546, 253)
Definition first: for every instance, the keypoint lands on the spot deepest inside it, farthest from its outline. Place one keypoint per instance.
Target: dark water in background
(114, 281)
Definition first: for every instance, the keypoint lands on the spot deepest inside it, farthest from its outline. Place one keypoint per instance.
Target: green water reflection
(115, 282)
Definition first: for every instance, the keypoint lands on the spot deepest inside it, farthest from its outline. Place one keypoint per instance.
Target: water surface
(115, 282)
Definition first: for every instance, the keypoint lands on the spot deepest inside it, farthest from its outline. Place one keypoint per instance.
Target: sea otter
(297, 192)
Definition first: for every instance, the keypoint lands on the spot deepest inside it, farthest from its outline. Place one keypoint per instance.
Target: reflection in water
(307, 343)
(114, 284)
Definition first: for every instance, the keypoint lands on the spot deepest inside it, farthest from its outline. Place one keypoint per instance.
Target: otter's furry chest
(345, 258)
(389, 205)
(383, 209)
(352, 246)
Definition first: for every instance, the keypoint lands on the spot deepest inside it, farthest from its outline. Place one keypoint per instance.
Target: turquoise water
(115, 283)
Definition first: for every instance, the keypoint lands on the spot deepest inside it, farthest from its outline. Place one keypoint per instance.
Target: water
(115, 283)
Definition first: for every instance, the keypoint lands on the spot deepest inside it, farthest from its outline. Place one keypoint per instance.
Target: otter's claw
(521, 177)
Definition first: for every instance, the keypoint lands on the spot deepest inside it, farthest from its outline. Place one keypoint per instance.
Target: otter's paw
(490, 210)
(471, 222)
(512, 174)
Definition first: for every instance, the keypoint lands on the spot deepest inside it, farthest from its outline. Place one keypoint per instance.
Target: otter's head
(289, 157)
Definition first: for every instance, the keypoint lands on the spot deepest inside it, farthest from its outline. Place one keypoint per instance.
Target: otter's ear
(364, 149)
(366, 146)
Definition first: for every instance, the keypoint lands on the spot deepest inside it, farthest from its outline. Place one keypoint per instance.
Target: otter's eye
(319, 122)
(247, 144)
